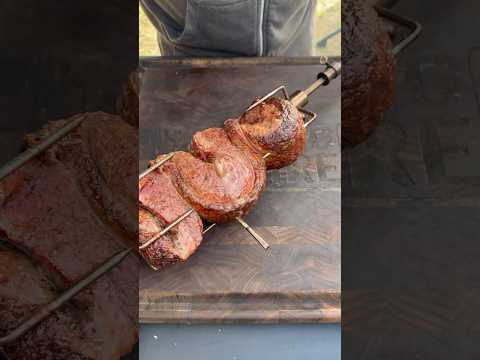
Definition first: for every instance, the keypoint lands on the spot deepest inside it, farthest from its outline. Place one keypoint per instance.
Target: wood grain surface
(411, 202)
(231, 278)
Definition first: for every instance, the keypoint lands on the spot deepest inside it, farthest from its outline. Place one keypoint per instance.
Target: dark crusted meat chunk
(368, 71)
(275, 127)
(220, 181)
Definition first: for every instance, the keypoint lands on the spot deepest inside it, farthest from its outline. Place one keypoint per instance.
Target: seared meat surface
(160, 204)
(70, 209)
(220, 181)
(274, 127)
(102, 157)
(368, 71)
(65, 335)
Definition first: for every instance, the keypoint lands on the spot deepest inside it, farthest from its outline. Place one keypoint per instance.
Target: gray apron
(232, 27)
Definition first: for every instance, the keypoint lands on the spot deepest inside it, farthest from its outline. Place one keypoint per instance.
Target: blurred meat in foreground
(368, 71)
(69, 209)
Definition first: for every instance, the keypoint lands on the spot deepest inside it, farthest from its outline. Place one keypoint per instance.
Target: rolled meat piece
(274, 126)
(220, 181)
(160, 205)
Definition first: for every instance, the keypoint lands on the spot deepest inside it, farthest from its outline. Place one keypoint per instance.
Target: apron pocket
(220, 25)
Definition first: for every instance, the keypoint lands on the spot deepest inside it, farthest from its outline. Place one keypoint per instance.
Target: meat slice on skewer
(274, 126)
(69, 211)
(160, 205)
(220, 181)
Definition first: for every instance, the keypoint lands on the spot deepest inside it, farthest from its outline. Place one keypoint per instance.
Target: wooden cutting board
(231, 278)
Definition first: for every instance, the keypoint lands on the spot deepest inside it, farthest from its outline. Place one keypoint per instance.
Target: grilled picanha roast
(368, 71)
(221, 177)
(71, 208)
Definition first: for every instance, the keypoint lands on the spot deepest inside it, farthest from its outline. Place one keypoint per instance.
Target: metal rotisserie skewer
(299, 99)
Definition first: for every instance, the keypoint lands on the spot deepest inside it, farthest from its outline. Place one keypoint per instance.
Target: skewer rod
(253, 233)
(266, 97)
(167, 229)
(314, 86)
(210, 227)
(300, 98)
(156, 165)
(45, 311)
(39, 147)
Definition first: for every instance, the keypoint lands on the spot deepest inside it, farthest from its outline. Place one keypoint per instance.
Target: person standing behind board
(197, 28)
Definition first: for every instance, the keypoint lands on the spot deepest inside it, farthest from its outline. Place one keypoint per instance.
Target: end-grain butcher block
(220, 181)
(160, 205)
(368, 71)
(275, 126)
(67, 334)
(67, 210)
